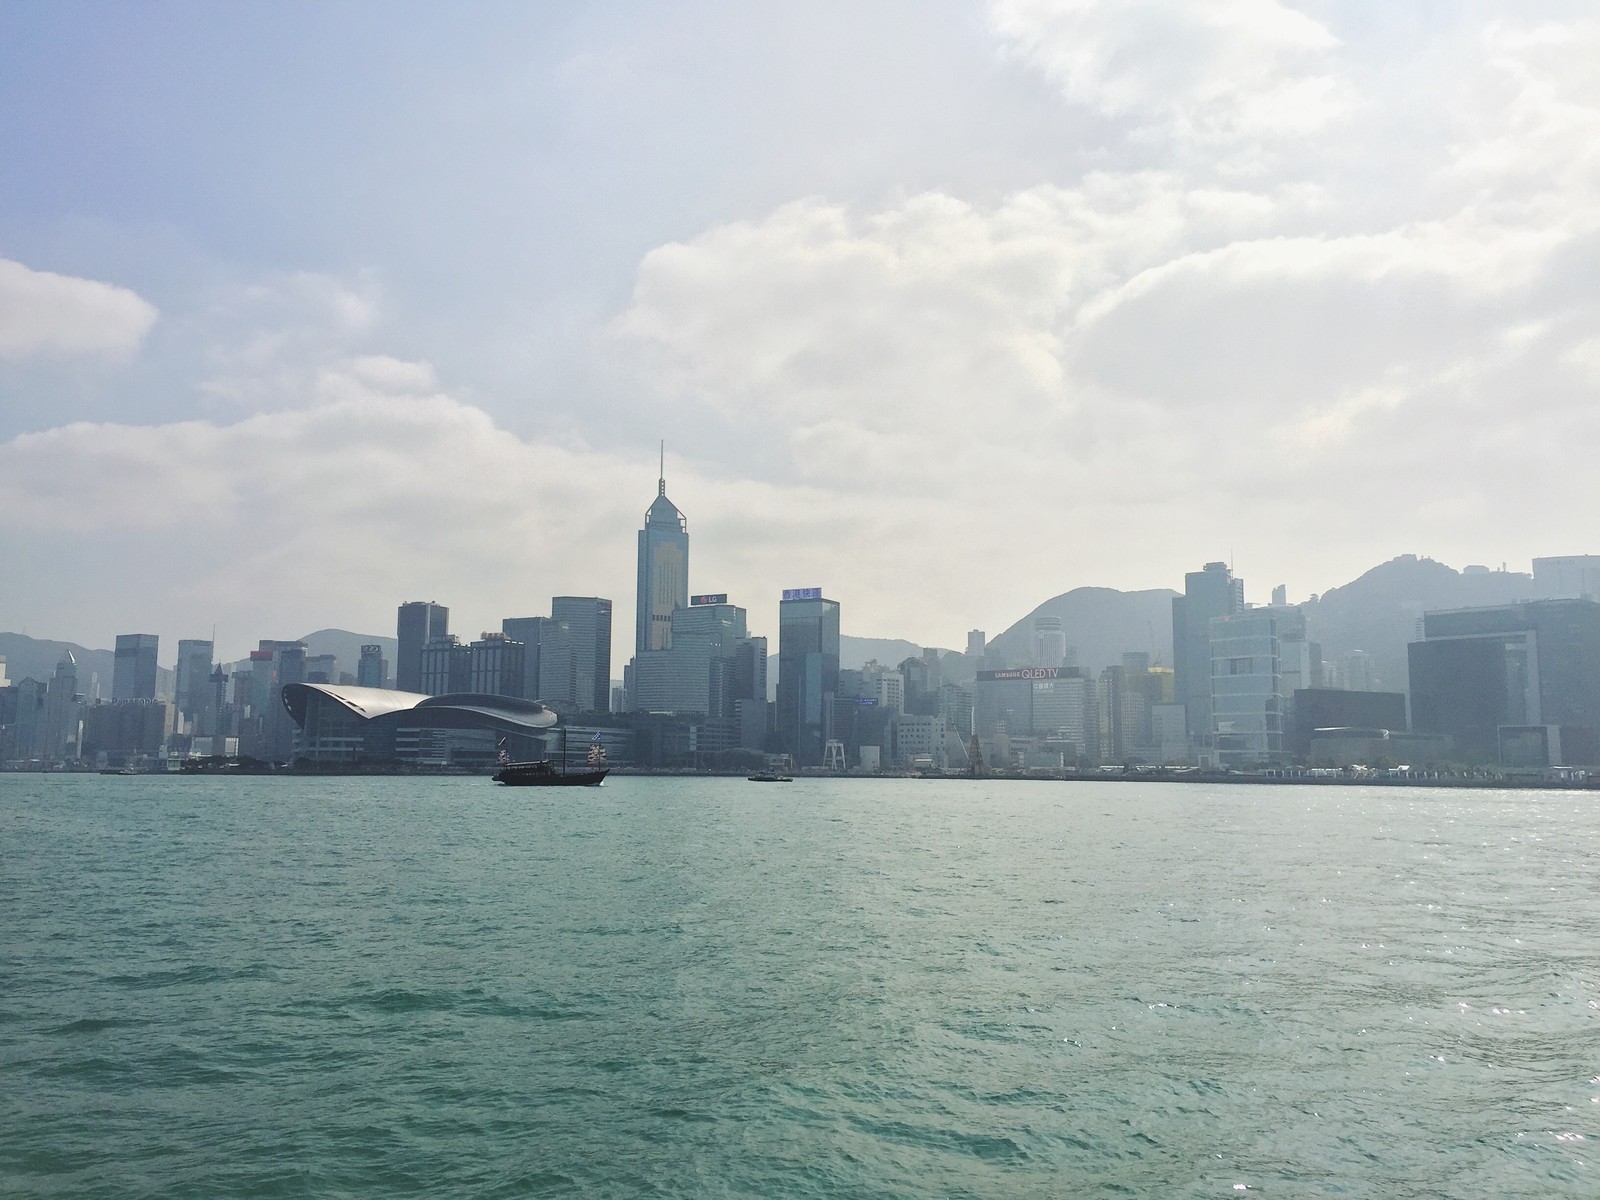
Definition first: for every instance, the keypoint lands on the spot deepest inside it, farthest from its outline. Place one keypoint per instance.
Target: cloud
(266, 342)
(946, 403)
(856, 337)
(328, 512)
(45, 315)
(368, 493)
(1143, 359)
(1205, 70)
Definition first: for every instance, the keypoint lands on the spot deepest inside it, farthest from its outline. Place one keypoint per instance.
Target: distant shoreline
(1517, 783)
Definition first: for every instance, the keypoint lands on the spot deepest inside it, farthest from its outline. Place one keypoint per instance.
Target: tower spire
(661, 483)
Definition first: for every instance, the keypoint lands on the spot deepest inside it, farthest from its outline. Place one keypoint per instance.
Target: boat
(542, 772)
(769, 777)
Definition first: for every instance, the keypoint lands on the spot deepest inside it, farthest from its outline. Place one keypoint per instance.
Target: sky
(946, 308)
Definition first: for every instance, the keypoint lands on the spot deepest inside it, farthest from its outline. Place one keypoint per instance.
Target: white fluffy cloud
(45, 315)
(1209, 71)
(374, 489)
(1322, 291)
(1136, 367)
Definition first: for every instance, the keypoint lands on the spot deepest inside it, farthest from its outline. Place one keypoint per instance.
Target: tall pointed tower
(663, 569)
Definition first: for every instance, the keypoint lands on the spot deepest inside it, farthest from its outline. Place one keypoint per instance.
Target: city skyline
(1048, 296)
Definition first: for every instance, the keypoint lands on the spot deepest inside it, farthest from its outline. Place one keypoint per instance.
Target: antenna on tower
(661, 483)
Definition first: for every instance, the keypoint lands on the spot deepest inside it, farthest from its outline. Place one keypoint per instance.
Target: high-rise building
(663, 570)
(446, 666)
(419, 622)
(59, 734)
(588, 622)
(1207, 594)
(495, 666)
(28, 723)
(1482, 675)
(125, 730)
(695, 674)
(133, 671)
(220, 717)
(549, 663)
(1110, 693)
(1170, 733)
(268, 733)
(1246, 688)
(1061, 710)
(1049, 643)
(1360, 672)
(193, 685)
(371, 670)
(808, 672)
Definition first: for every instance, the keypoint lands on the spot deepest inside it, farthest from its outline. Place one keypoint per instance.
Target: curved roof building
(340, 724)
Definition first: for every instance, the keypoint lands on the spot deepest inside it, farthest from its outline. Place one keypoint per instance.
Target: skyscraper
(699, 673)
(370, 671)
(194, 681)
(1049, 643)
(496, 666)
(270, 732)
(588, 622)
(133, 671)
(418, 623)
(663, 570)
(549, 672)
(808, 672)
(1247, 686)
(61, 712)
(1212, 592)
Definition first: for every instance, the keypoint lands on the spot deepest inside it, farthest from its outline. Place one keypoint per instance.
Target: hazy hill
(856, 652)
(1378, 612)
(1102, 623)
(35, 658)
(346, 647)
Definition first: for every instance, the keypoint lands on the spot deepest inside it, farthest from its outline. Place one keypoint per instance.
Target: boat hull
(542, 775)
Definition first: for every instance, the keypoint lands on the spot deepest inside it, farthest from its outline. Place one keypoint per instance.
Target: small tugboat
(541, 772)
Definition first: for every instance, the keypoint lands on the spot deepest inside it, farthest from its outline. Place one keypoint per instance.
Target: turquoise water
(670, 987)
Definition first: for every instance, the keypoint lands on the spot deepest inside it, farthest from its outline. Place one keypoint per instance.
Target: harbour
(304, 986)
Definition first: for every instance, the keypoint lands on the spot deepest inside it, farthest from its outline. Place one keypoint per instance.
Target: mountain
(1379, 611)
(346, 647)
(856, 652)
(35, 658)
(1101, 624)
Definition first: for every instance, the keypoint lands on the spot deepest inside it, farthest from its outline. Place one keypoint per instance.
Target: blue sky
(948, 307)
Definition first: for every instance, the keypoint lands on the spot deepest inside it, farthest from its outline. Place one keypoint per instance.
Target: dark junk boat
(542, 772)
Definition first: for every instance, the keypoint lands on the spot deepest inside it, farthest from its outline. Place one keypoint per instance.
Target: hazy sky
(308, 309)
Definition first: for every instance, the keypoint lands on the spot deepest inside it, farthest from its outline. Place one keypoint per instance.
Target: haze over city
(948, 308)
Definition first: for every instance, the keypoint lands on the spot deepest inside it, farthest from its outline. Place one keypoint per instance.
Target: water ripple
(229, 988)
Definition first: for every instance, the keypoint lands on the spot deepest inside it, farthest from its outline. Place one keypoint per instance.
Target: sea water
(706, 987)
